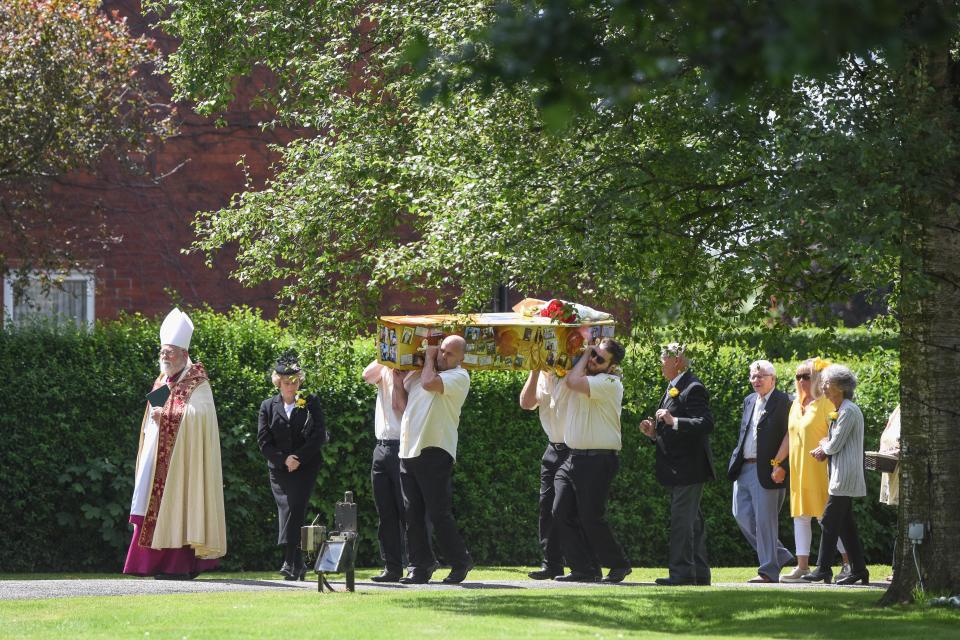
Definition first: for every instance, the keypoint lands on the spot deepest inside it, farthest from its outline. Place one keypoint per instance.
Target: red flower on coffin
(560, 311)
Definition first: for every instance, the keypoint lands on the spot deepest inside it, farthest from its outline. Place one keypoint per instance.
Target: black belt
(749, 459)
(594, 452)
(389, 443)
(559, 446)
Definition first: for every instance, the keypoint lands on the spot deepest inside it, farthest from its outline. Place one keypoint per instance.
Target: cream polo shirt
(431, 419)
(553, 397)
(386, 421)
(594, 422)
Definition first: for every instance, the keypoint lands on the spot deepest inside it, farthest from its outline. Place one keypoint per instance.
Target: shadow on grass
(698, 612)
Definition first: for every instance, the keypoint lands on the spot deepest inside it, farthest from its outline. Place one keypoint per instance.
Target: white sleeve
(606, 388)
(456, 383)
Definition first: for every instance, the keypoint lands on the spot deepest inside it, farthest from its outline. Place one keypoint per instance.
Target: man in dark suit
(758, 493)
(684, 462)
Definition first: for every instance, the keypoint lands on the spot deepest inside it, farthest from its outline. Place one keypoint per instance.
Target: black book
(158, 397)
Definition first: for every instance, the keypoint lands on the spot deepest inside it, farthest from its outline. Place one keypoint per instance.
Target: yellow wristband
(775, 462)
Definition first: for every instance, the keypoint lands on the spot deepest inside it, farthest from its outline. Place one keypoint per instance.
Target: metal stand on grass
(337, 553)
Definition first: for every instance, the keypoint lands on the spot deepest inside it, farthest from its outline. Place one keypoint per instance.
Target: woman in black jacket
(290, 434)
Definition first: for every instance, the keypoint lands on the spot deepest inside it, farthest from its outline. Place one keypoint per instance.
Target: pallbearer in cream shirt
(549, 394)
(593, 420)
(385, 468)
(428, 449)
(582, 484)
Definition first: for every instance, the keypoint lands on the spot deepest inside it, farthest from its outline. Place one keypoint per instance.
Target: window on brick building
(70, 300)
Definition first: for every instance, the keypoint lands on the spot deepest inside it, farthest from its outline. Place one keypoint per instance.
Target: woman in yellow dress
(807, 425)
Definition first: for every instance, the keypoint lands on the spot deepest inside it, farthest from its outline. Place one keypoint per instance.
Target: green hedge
(73, 404)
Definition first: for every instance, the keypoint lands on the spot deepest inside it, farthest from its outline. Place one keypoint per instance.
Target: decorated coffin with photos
(536, 335)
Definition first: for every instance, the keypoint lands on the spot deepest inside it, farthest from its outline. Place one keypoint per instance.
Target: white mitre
(177, 329)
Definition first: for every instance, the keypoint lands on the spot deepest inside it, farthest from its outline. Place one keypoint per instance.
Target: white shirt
(386, 421)
(750, 443)
(593, 422)
(288, 408)
(431, 419)
(553, 400)
(673, 383)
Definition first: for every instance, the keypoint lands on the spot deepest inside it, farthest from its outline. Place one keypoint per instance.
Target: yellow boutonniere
(674, 392)
(301, 402)
(560, 372)
(834, 415)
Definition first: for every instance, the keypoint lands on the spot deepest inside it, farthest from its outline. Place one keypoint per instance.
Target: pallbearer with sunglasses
(684, 462)
(582, 484)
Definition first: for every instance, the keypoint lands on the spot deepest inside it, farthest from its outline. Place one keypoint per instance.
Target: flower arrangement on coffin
(560, 311)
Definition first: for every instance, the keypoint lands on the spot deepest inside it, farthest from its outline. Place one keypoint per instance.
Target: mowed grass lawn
(608, 612)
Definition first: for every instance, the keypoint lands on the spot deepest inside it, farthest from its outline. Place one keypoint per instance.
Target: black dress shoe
(617, 574)
(287, 571)
(415, 576)
(679, 582)
(854, 577)
(545, 573)
(702, 582)
(824, 575)
(387, 576)
(458, 575)
(578, 576)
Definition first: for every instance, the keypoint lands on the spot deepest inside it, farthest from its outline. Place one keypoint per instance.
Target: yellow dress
(808, 476)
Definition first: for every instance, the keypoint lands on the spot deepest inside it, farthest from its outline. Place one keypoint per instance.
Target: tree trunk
(930, 367)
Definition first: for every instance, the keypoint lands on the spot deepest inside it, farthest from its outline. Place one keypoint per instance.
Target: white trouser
(802, 535)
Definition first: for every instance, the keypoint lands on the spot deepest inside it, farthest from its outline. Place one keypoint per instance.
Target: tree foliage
(685, 207)
(618, 50)
(74, 89)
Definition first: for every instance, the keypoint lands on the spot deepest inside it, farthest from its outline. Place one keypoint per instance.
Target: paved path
(40, 589)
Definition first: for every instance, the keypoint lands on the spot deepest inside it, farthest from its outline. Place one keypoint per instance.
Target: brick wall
(151, 218)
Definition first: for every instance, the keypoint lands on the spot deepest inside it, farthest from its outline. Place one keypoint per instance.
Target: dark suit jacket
(302, 435)
(770, 431)
(683, 454)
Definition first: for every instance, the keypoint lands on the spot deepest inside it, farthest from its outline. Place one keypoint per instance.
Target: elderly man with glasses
(757, 468)
(177, 513)
(684, 462)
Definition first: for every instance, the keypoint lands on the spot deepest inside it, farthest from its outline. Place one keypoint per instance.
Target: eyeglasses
(802, 376)
(759, 376)
(166, 353)
(599, 359)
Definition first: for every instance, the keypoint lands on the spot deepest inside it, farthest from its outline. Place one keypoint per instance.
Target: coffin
(508, 341)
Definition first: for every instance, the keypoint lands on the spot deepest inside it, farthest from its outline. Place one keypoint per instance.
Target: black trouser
(291, 491)
(388, 499)
(688, 534)
(582, 486)
(428, 493)
(553, 458)
(838, 522)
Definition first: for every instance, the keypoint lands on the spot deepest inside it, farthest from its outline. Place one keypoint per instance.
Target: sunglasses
(599, 359)
(802, 376)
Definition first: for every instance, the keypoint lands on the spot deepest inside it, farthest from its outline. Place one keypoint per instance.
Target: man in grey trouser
(684, 462)
(758, 470)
